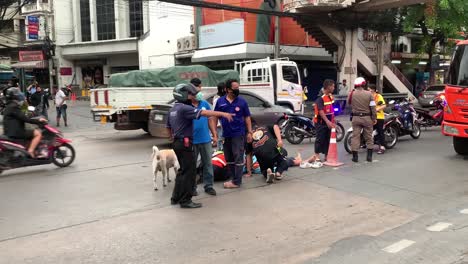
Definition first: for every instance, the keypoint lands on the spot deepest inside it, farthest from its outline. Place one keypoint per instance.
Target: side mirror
(431, 102)
(31, 108)
(266, 105)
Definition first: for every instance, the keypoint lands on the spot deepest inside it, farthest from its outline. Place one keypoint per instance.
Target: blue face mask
(199, 96)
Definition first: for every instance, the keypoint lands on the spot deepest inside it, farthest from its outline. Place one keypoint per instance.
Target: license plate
(158, 117)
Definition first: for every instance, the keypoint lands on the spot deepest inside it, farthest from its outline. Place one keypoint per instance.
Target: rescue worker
(363, 118)
(379, 108)
(180, 127)
(324, 120)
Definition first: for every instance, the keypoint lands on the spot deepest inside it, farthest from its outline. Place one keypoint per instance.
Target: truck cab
(278, 81)
(455, 122)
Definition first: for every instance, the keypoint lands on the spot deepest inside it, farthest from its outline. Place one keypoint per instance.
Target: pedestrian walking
(363, 118)
(379, 108)
(202, 140)
(40, 102)
(61, 106)
(343, 91)
(180, 127)
(324, 121)
(236, 132)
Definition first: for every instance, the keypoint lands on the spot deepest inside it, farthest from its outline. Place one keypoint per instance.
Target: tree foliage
(9, 9)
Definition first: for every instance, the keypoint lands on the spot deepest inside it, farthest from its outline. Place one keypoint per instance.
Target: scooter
(299, 127)
(408, 123)
(53, 148)
(390, 132)
(428, 118)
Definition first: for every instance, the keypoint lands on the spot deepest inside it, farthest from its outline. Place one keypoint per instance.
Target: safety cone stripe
(333, 141)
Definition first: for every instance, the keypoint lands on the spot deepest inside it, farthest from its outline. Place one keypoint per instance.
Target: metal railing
(291, 4)
(400, 76)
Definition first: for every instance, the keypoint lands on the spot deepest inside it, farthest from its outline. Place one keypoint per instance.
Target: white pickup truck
(131, 96)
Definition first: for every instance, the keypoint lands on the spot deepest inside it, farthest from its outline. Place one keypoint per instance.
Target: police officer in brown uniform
(363, 118)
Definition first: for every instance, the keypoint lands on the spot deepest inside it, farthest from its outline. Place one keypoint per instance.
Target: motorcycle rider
(14, 120)
(363, 117)
(379, 108)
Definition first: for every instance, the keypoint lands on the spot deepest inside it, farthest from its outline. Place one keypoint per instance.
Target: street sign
(33, 27)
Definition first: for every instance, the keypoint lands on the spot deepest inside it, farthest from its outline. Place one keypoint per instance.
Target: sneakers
(278, 176)
(270, 176)
(381, 150)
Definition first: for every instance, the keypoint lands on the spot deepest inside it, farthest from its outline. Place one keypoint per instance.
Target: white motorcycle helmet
(360, 82)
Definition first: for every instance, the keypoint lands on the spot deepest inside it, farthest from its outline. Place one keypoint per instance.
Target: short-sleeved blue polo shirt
(240, 108)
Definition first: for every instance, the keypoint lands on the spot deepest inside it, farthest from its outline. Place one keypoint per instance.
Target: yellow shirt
(379, 98)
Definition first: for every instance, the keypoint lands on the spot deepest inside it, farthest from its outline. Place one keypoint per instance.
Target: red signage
(66, 71)
(31, 55)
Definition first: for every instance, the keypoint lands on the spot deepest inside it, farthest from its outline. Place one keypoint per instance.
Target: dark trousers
(185, 179)
(279, 162)
(380, 130)
(234, 148)
(322, 141)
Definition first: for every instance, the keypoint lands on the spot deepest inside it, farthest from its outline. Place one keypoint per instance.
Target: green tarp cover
(172, 76)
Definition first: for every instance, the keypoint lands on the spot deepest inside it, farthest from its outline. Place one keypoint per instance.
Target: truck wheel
(460, 145)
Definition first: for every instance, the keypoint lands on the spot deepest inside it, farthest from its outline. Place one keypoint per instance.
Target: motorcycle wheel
(391, 137)
(416, 131)
(340, 132)
(282, 126)
(63, 156)
(347, 142)
(292, 136)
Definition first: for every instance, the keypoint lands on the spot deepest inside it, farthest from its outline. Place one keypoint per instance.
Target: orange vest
(328, 101)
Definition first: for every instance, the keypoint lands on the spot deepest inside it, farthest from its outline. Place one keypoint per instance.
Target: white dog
(163, 160)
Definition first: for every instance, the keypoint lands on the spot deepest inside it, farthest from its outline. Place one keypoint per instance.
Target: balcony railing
(35, 8)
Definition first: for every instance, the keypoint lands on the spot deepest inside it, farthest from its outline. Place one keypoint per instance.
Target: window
(252, 101)
(136, 17)
(105, 19)
(8, 26)
(258, 75)
(458, 74)
(436, 88)
(85, 21)
(290, 74)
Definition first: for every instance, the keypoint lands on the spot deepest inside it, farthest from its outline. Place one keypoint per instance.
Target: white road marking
(398, 246)
(464, 211)
(438, 227)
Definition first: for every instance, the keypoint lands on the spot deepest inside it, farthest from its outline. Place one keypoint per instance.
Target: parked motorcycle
(53, 148)
(428, 118)
(298, 127)
(408, 123)
(390, 132)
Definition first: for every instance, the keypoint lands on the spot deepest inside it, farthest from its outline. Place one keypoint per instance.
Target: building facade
(96, 38)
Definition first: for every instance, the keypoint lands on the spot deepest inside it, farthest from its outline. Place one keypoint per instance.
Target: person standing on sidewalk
(379, 108)
(180, 127)
(324, 120)
(202, 140)
(363, 118)
(61, 106)
(221, 92)
(236, 132)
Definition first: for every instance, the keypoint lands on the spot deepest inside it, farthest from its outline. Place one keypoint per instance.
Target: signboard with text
(31, 55)
(220, 34)
(33, 28)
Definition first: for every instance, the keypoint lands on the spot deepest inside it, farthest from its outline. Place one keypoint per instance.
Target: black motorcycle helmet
(14, 94)
(182, 91)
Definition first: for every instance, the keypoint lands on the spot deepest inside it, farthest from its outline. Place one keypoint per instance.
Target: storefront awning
(31, 65)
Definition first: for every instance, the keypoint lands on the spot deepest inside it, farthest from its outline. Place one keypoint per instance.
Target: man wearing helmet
(14, 120)
(180, 127)
(363, 117)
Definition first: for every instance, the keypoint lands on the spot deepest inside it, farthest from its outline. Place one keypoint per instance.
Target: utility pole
(277, 32)
(380, 62)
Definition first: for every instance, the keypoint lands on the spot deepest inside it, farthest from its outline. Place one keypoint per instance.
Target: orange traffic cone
(332, 158)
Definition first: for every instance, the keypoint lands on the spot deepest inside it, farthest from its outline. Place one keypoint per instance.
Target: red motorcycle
(53, 148)
(429, 118)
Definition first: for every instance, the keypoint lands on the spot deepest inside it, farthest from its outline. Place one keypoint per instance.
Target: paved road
(103, 209)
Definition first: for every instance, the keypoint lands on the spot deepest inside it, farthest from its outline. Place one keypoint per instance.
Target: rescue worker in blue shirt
(180, 127)
(235, 133)
(202, 140)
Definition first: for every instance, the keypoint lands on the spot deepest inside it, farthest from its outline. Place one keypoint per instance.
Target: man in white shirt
(61, 106)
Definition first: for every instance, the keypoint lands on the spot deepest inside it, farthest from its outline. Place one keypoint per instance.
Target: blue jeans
(205, 150)
(220, 139)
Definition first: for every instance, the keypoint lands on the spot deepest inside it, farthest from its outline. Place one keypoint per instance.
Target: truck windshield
(458, 74)
(290, 74)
